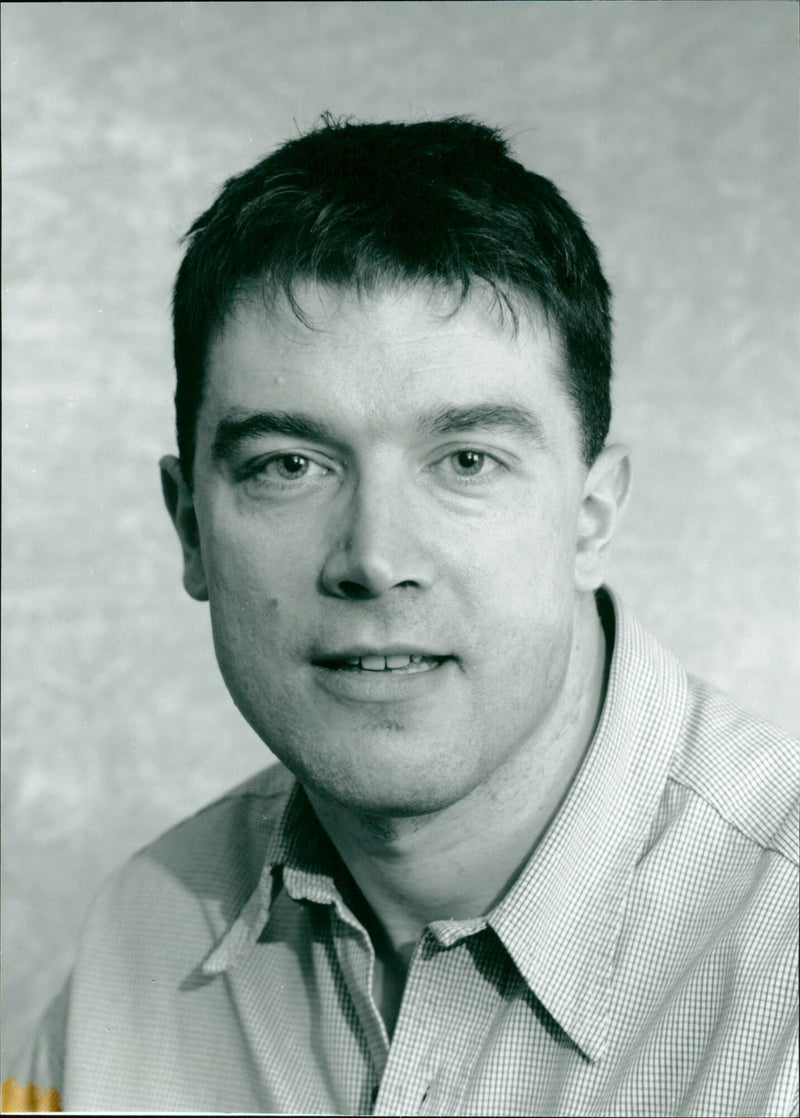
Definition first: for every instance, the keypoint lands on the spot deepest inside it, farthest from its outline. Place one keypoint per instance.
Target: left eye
(290, 466)
(469, 463)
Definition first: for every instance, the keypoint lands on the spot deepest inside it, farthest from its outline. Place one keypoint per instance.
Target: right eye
(283, 469)
(289, 467)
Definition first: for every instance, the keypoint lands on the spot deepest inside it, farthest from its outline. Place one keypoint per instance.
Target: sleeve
(34, 1080)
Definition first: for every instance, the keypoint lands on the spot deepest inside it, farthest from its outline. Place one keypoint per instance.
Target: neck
(459, 862)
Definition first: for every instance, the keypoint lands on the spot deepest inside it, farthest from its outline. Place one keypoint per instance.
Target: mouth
(401, 663)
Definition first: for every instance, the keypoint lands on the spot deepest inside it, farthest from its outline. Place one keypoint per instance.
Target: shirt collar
(299, 858)
(561, 920)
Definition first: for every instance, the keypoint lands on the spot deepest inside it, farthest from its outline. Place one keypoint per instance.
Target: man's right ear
(180, 506)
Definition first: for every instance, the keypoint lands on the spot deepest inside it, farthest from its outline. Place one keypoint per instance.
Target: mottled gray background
(671, 127)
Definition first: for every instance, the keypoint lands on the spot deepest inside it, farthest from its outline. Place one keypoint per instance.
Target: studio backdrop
(671, 128)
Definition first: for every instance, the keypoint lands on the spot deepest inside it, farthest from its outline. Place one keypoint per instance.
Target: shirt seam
(732, 823)
(231, 798)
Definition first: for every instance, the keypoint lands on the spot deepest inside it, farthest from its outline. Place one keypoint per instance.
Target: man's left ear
(605, 495)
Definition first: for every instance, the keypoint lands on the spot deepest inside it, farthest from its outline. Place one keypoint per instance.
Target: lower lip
(383, 687)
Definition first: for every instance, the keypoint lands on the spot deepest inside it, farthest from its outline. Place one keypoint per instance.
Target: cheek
(519, 562)
(248, 559)
(247, 600)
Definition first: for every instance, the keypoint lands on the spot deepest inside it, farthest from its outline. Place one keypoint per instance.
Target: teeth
(400, 662)
(373, 663)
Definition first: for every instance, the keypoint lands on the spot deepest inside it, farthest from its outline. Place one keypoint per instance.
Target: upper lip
(349, 652)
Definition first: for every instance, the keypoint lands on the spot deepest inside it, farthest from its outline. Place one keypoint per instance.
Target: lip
(349, 651)
(382, 687)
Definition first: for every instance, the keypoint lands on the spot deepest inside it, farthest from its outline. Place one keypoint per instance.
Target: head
(393, 353)
(359, 205)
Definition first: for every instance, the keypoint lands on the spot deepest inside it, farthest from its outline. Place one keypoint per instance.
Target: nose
(378, 546)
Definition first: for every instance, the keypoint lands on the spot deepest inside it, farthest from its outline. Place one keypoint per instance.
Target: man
(513, 860)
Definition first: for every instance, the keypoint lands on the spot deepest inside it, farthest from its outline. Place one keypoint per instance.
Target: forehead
(376, 361)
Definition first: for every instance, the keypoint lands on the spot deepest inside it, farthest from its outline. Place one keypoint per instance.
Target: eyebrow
(236, 428)
(233, 430)
(509, 417)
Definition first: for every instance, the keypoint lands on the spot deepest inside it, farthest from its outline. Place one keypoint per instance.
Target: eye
(289, 466)
(467, 466)
(469, 463)
(279, 468)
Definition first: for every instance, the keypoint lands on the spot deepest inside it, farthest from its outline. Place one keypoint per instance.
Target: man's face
(387, 512)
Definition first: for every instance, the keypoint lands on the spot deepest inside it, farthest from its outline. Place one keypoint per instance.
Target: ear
(180, 506)
(605, 494)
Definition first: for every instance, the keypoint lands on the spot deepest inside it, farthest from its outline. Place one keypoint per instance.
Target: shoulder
(238, 824)
(742, 768)
(193, 880)
(149, 930)
(726, 772)
(246, 814)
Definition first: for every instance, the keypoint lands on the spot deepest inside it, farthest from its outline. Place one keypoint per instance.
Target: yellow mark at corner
(21, 1100)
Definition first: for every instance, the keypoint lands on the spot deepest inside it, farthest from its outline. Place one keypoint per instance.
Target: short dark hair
(362, 204)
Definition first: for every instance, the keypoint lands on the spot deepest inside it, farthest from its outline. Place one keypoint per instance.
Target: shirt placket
(411, 1067)
(356, 957)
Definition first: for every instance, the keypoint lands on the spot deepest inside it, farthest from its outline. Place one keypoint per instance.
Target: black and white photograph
(400, 558)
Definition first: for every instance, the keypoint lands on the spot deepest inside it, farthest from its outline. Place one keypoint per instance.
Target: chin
(384, 790)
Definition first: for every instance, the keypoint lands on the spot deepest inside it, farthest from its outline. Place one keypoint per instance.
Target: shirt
(643, 963)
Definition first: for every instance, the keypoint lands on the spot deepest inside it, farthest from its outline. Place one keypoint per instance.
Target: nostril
(354, 590)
